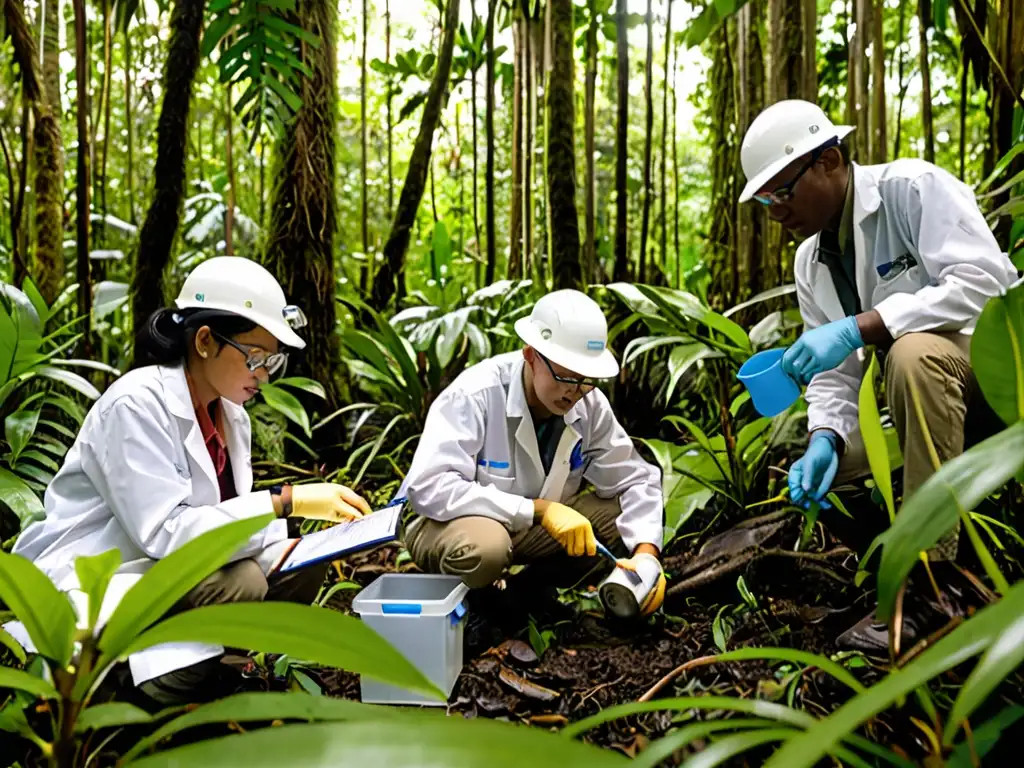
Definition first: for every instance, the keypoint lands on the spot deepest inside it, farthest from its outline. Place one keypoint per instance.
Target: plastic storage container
(423, 617)
(771, 389)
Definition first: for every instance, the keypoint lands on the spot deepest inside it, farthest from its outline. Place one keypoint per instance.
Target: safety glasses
(583, 383)
(257, 357)
(785, 193)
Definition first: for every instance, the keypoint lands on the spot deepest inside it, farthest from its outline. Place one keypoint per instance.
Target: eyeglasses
(785, 192)
(257, 357)
(582, 383)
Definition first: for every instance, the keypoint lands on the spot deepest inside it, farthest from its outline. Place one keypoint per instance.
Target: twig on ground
(929, 641)
(691, 664)
(593, 691)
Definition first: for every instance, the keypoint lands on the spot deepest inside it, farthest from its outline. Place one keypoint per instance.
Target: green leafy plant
(76, 659)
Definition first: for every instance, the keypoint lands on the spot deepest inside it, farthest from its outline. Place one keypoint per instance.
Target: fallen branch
(702, 661)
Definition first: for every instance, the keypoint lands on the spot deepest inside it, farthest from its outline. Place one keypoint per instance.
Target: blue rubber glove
(822, 349)
(812, 475)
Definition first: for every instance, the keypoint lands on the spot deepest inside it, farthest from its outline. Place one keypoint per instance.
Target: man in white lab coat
(507, 447)
(896, 255)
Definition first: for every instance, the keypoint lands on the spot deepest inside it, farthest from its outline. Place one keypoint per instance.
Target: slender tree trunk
(108, 65)
(263, 183)
(303, 212)
(621, 271)
(392, 271)
(964, 85)
(531, 111)
(164, 214)
(561, 171)
(515, 214)
(903, 88)
(721, 234)
(590, 270)
(364, 271)
(675, 166)
(664, 137)
(809, 57)
(648, 129)
(879, 142)
(473, 120)
(492, 243)
(1009, 50)
(229, 209)
(924, 17)
(82, 176)
(542, 63)
(391, 127)
(751, 221)
(27, 148)
(129, 122)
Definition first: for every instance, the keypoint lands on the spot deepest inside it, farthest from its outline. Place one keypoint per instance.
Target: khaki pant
(479, 549)
(937, 368)
(239, 582)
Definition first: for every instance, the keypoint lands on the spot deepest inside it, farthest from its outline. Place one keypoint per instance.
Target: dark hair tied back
(164, 339)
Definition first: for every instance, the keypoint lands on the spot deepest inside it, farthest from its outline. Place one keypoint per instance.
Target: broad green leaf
(933, 511)
(720, 751)
(214, 32)
(765, 709)
(453, 325)
(94, 574)
(46, 613)
(303, 631)
(984, 737)
(771, 293)
(874, 437)
(286, 404)
(19, 428)
(968, 640)
(796, 656)
(250, 707)
(680, 305)
(996, 666)
(419, 739)
(1002, 165)
(693, 429)
(171, 578)
(997, 356)
(72, 380)
(750, 433)
(303, 383)
(23, 681)
(12, 645)
(366, 347)
(680, 361)
(109, 714)
(667, 746)
(21, 499)
(645, 344)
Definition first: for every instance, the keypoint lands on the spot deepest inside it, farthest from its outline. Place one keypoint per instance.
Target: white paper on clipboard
(344, 538)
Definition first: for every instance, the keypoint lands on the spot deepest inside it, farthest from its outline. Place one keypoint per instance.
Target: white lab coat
(140, 479)
(922, 229)
(479, 456)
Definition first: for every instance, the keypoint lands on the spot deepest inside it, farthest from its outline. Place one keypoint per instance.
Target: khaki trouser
(479, 549)
(240, 582)
(937, 368)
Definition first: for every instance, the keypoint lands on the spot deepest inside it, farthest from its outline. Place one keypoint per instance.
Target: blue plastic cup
(771, 388)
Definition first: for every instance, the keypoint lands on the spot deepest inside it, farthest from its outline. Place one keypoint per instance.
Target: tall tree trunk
(473, 111)
(809, 55)
(47, 264)
(561, 106)
(964, 86)
(1009, 51)
(590, 270)
(164, 214)
(924, 18)
(675, 167)
(364, 271)
(542, 63)
(530, 108)
(792, 29)
(752, 221)
(129, 122)
(82, 176)
(664, 137)
(392, 271)
(879, 142)
(621, 270)
(303, 212)
(391, 126)
(108, 65)
(229, 211)
(903, 87)
(721, 235)
(645, 220)
(515, 214)
(856, 88)
(492, 244)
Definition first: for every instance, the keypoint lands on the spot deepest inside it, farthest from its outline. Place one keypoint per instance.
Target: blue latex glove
(822, 349)
(812, 475)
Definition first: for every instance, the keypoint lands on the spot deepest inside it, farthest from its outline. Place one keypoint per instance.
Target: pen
(605, 552)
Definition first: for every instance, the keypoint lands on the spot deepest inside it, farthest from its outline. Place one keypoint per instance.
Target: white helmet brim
(597, 364)
(811, 143)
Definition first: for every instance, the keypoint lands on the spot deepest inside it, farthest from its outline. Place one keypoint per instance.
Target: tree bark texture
(129, 122)
(621, 270)
(303, 212)
(561, 171)
(364, 132)
(82, 177)
(47, 263)
(589, 105)
(664, 137)
(924, 18)
(515, 214)
(1010, 53)
(793, 63)
(473, 124)
(721, 236)
(879, 141)
(392, 270)
(492, 240)
(164, 214)
(529, 110)
(645, 219)
(750, 78)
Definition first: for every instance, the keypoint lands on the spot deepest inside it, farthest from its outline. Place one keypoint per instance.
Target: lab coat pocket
(906, 281)
(501, 482)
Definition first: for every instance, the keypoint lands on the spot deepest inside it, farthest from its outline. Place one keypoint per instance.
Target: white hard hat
(569, 328)
(780, 134)
(245, 288)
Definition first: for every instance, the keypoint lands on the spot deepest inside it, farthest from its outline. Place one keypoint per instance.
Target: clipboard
(344, 539)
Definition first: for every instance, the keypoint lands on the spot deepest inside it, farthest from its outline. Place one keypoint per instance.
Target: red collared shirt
(211, 425)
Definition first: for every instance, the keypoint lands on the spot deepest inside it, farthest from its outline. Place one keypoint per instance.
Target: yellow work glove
(327, 501)
(648, 567)
(568, 527)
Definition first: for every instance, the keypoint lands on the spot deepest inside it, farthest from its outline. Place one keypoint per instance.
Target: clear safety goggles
(257, 357)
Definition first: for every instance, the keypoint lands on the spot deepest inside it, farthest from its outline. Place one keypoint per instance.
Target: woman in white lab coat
(165, 456)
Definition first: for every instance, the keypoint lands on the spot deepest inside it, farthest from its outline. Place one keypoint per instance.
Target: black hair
(165, 337)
